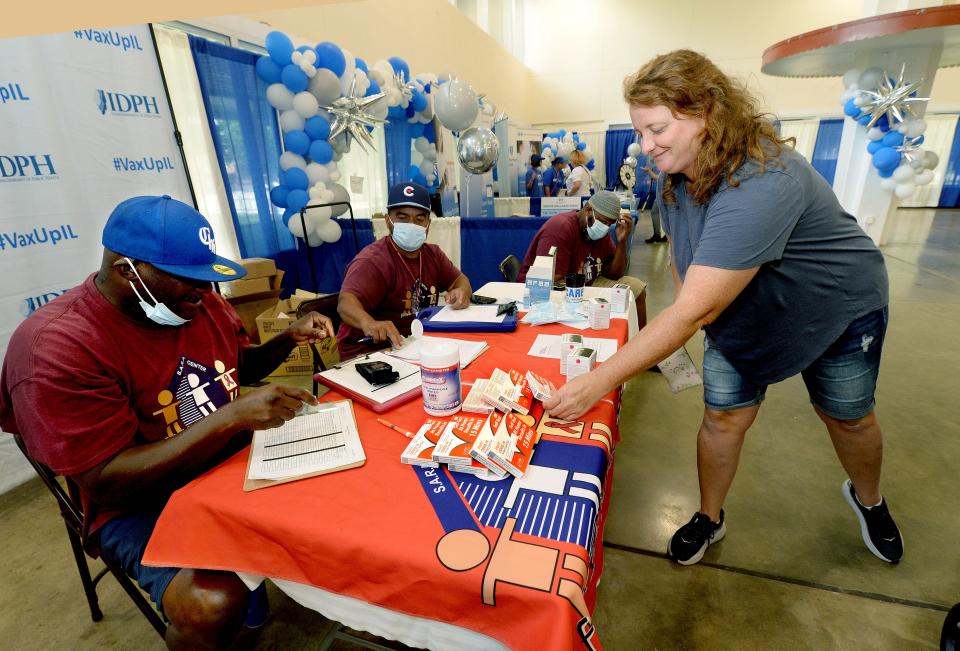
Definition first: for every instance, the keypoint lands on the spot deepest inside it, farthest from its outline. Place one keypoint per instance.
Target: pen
(387, 423)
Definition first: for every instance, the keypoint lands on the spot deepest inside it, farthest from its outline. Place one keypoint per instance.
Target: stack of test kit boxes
(598, 313)
(620, 298)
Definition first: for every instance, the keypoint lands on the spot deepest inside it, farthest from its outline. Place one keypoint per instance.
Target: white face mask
(159, 313)
(597, 229)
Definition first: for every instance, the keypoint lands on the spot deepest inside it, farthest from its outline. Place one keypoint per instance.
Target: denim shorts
(841, 382)
(123, 541)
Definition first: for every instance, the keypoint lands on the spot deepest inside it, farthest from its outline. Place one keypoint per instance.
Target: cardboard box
(259, 267)
(253, 288)
(249, 310)
(277, 318)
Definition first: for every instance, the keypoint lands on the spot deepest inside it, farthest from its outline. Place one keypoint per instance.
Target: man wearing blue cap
(128, 385)
(391, 280)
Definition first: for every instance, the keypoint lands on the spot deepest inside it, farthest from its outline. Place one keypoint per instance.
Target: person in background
(128, 385)
(391, 280)
(583, 242)
(579, 181)
(553, 178)
(654, 207)
(779, 276)
(534, 178)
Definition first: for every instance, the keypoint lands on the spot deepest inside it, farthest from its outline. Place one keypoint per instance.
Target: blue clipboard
(509, 323)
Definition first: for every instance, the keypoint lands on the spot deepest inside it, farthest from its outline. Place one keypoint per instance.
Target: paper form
(549, 346)
(473, 313)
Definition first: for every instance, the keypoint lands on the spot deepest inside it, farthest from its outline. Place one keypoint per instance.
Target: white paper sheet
(548, 346)
(469, 350)
(323, 437)
(472, 313)
(347, 377)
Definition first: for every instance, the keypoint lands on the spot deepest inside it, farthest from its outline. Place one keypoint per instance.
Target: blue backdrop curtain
(247, 139)
(615, 149)
(486, 241)
(950, 195)
(329, 260)
(827, 148)
(396, 136)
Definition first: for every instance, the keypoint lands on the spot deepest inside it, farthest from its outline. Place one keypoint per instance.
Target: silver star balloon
(910, 149)
(892, 100)
(406, 90)
(352, 116)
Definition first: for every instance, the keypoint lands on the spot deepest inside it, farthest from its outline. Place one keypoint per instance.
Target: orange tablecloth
(517, 560)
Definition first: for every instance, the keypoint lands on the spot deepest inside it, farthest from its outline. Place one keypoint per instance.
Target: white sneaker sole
(864, 531)
(693, 560)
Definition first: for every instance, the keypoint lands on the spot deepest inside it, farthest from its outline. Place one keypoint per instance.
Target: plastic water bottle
(440, 377)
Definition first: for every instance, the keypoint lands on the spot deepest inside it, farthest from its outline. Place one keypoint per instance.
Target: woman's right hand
(574, 398)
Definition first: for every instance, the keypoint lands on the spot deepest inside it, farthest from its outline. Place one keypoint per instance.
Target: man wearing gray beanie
(584, 246)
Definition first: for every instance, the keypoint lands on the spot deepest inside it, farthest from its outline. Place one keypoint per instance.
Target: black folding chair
(510, 268)
(327, 306)
(69, 502)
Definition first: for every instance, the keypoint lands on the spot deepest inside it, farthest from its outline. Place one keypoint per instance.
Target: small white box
(581, 361)
(568, 343)
(620, 297)
(539, 279)
(598, 313)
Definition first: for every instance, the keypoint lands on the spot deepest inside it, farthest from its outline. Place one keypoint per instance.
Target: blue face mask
(159, 313)
(597, 229)
(409, 237)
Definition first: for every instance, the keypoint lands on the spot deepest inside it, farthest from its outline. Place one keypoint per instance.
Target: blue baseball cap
(408, 194)
(171, 236)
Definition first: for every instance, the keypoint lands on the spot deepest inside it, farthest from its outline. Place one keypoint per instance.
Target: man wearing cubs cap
(129, 386)
(391, 280)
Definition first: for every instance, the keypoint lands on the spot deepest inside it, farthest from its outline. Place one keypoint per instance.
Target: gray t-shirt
(818, 270)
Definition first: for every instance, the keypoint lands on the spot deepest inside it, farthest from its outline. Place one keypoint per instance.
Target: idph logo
(14, 166)
(32, 303)
(124, 104)
(206, 236)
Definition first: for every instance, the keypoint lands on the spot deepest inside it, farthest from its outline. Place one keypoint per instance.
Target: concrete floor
(792, 572)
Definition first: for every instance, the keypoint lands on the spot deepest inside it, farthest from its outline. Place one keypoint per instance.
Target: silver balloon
(477, 150)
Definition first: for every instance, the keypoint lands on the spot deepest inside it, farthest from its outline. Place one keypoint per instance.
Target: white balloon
(317, 173)
(308, 69)
(568, 137)
(870, 78)
(859, 100)
(296, 57)
(915, 128)
(335, 176)
(328, 230)
(431, 155)
(431, 179)
(851, 77)
(305, 104)
(347, 77)
(310, 56)
(295, 226)
(427, 168)
(376, 76)
(289, 159)
(291, 121)
(416, 158)
(930, 160)
(904, 190)
(279, 97)
(318, 215)
(875, 133)
(631, 161)
(324, 86)
(924, 177)
(337, 155)
(902, 127)
(633, 149)
(327, 196)
(916, 165)
(888, 183)
(421, 144)
(363, 82)
(455, 105)
(903, 173)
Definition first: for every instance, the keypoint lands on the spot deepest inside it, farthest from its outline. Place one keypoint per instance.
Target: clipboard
(344, 379)
(509, 323)
(256, 484)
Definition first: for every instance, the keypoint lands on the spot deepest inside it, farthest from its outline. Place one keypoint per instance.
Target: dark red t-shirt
(82, 381)
(393, 288)
(574, 251)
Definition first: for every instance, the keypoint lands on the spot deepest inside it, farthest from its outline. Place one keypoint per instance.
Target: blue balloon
(400, 67)
(321, 152)
(268, 70)
(297, 199)
(885, 174)
(851, 109)
(361, 64)
(591, 164)
(294, 78)
(892, 139)
(883, 122)
(296, 141)
(287, 214)
(919, 140)
(581, 146)
(864, 119)
(886, 158)
(426, 88)
(280, 47)
(419, 178)
(396, 112)
(278, 195)
(317, 128)
(418, 100)
(561, 133)
(430, 131)
(409, 111)
(296, 179)
(873, 146)
(331, 57)
(373, 89)
(416, 129)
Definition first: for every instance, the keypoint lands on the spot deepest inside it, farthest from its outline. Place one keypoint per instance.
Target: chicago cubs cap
(171, 236)
(408, 194)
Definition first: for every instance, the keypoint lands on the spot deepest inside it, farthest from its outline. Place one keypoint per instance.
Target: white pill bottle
(440, 377)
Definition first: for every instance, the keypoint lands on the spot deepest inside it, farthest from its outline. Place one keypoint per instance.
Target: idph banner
(84, 124)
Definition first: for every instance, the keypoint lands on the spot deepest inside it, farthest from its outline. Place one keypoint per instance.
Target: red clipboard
(337, 379)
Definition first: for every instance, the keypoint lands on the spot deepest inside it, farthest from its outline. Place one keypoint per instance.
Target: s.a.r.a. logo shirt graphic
(195, 391)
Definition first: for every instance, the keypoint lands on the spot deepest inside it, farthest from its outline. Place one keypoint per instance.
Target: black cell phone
(377, 372)
(477, 299)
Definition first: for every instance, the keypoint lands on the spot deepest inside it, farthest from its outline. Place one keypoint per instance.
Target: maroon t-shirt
(82, 381)
(574, 250)
(394, 288)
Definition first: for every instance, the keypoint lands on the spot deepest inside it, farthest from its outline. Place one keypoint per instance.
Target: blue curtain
(827, 148)
(329, 260)
(247, 139)
(485, 242)
(615, 149)
(396, 135)
(950, 195)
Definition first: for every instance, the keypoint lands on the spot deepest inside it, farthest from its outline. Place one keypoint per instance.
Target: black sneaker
(879, 531)
(692, 539)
